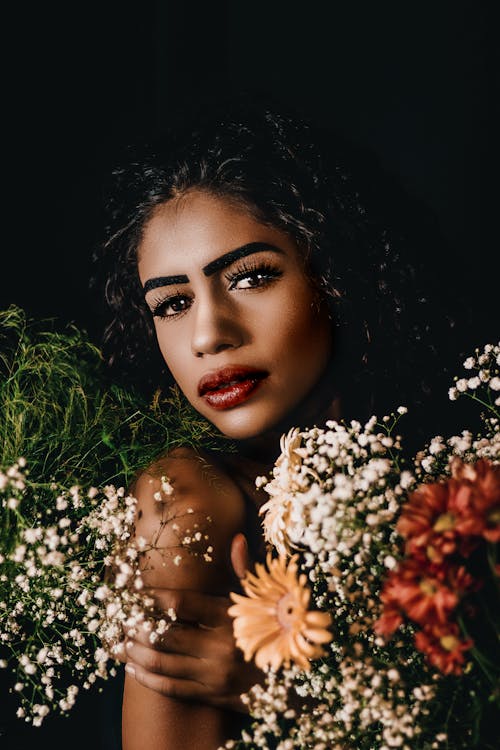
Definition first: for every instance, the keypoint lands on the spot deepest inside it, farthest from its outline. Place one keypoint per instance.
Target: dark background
(414, 85)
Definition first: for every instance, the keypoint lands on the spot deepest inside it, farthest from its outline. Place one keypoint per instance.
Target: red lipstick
(230, 386)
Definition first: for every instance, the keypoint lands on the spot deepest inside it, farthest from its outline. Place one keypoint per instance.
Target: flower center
(286, 611)
(494, 517)
(431, 553)
(427, 587)
(449, 642)
(445, 522)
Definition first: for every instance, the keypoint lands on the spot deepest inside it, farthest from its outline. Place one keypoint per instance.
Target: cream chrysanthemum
(272, 622)
(286, 481)
(291, 456)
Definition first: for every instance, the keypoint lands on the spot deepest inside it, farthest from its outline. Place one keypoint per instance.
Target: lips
(230, 386)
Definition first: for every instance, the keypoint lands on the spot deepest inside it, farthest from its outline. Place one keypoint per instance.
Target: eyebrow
(215, 265)
(240, 252)
(164, 281)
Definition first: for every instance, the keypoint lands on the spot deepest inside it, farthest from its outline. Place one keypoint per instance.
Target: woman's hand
(197, 658)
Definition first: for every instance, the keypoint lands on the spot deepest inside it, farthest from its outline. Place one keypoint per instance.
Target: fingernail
(130, 669)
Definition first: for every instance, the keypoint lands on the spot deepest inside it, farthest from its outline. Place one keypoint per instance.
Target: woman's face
(237, 320)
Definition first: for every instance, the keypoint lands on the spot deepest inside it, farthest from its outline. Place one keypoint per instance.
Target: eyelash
(160, 304)
(266, 270)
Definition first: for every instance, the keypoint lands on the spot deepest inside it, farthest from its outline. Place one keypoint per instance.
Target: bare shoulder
(188, 511)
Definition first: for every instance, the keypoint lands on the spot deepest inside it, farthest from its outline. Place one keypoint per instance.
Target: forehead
(198, 227)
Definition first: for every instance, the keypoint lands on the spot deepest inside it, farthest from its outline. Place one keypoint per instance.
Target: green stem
(488, 406)
(482, 661)
(491, 551)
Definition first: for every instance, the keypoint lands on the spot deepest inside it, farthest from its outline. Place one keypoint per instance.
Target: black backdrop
(413, 84)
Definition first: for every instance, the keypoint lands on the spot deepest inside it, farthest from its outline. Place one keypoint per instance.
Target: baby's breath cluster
(343, 504)
(71, 584)
(70, 560)
(361, 706)
(365, 702)
(334, 496)
(482, 385)
(128, 608)
(55, 608)
(483, 371)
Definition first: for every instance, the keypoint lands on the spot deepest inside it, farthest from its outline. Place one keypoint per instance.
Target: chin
(245, 424)
(238, 429)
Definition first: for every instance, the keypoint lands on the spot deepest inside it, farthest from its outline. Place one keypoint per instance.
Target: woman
(241, 264)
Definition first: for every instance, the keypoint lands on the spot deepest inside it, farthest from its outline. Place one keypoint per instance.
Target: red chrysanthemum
(422, 592)
(427, 506)
(391, 617)
(478, 501)
(419, 593)
(443, 647)
(452, 515)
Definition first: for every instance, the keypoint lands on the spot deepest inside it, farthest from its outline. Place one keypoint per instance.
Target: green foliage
(59, 410)
(65, 429)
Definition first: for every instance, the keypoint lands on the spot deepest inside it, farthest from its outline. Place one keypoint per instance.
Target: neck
(320, 405)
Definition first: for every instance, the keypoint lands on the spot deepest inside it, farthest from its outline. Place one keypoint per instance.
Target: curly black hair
(300, 179)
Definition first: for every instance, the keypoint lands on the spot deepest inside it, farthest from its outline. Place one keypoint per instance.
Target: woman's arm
(219, 675)
(202, 495)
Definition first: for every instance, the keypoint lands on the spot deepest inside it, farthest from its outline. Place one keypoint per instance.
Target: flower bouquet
(70, 577)
(376, 619)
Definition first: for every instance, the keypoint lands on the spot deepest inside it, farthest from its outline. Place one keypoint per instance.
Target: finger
(240, 558)
(168, 665)
(170, 686)
(177, 638)
(192, 606)
(147, 635)
(118, 652)
(191, 641)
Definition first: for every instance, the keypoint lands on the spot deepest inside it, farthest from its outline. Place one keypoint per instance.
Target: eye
(252, 276)
(171, 306)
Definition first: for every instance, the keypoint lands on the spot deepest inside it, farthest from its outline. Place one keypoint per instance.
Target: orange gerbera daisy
(272, 622)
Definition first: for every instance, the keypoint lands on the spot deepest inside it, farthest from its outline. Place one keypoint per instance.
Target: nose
(215, 326)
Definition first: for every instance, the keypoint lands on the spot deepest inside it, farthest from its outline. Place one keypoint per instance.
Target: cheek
(301, 332)
(174, 353)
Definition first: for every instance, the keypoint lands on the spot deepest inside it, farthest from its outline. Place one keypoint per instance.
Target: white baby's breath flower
(166, 486)
(406, 479)
(473, 383)
(102, 592)
(41, 657)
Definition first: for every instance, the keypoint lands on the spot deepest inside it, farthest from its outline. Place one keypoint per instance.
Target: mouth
(230, 386)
